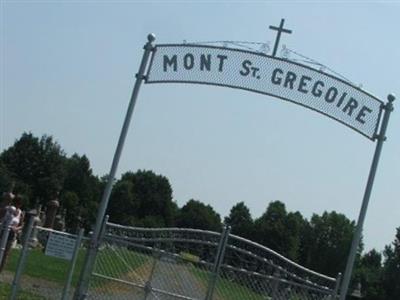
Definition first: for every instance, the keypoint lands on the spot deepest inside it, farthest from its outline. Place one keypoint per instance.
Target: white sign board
(281, 78)
(60, 245)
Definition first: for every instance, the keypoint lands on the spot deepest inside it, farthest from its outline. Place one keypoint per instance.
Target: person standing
(14, 217)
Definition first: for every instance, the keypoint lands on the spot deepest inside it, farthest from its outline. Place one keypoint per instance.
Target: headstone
(59, 223)
(34, 213)
(356, 294)
(52, 207)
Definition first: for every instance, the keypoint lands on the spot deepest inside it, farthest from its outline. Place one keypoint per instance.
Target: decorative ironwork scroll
(268, 75)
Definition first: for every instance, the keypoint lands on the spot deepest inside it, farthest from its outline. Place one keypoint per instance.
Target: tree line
(38, 169)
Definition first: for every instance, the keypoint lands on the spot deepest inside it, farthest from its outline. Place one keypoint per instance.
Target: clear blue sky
(67, 70)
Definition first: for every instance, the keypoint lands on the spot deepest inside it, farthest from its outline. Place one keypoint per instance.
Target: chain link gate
(177, 263)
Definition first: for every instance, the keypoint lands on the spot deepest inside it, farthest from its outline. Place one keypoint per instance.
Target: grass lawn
(5, 290)
(226, 289)
(113, 262)
(46, 267)
(234, 291)
(110, 262)
(229, 290)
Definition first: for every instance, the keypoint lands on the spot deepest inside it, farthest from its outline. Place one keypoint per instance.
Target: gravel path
(175, 278)
(169, 275)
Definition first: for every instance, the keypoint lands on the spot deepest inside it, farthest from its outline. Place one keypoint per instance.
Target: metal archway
(260, 73)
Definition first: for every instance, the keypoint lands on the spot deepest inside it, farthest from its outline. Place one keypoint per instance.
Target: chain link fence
(176, 263)
(46, 266)
(158, 263)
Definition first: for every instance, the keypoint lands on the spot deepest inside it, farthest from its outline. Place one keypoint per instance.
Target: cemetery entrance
(258, 72)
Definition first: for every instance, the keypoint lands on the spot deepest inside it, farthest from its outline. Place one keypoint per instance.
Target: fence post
(337, 286)
(5, 231)
(103, 231)
(84, 278)
(73, 263)
(21, 260)
(275, 285)
(218, 261)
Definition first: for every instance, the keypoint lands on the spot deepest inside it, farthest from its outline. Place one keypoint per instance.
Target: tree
(71, 203)
(369, 274)
(278, 230)
(195, 214)
(36, 165)
(240, 220)
(123, 206)
(295, 225)
(5, 179)
(81, 192)
(142, 199)
(329, 235)
(391, 275)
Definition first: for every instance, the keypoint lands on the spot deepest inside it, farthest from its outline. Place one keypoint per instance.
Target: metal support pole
(388, 108)
(337, 286)
(21, 260)
(5, 232)
(275, 285)
(73, 264)
(89, 263)
(218, 262)
(103, 230)
(90, 255)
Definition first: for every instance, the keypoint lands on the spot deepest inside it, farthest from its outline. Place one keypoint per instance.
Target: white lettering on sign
(268, 75)
(61, 246)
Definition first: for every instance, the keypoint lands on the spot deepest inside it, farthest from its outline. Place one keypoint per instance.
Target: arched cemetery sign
(264, 74)
(268, 75)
